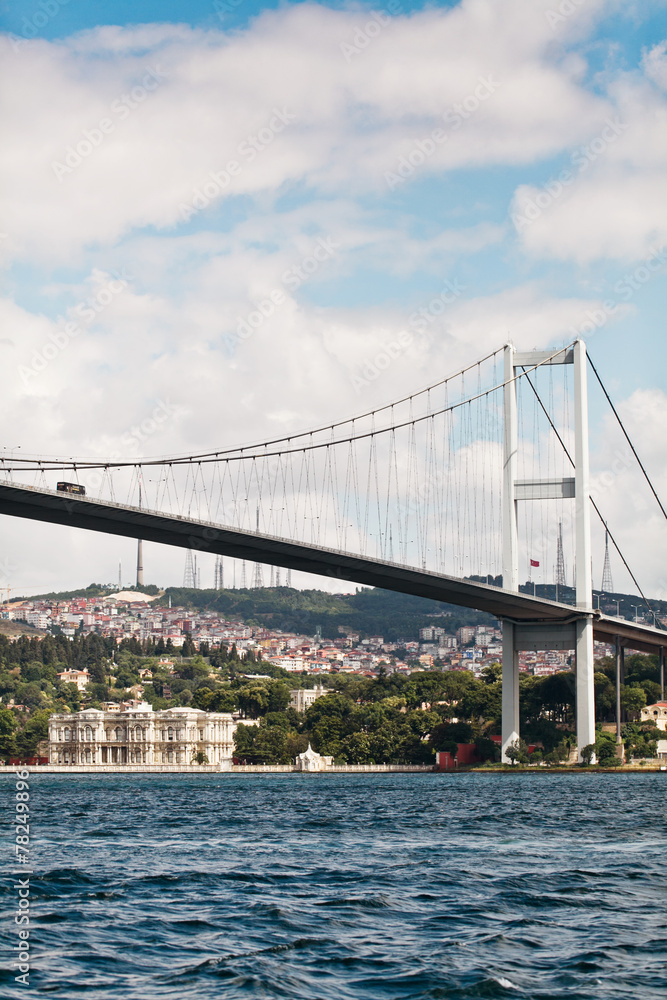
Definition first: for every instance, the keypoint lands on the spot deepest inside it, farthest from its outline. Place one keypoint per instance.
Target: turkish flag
(534, 562)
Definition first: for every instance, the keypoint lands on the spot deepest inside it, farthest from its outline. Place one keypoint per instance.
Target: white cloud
(612, 201)
(126, 125)
(168, 337)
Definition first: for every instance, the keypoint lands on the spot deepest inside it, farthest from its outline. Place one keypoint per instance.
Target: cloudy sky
(167, 168)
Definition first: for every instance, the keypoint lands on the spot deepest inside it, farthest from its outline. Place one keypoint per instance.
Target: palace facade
(140, 736)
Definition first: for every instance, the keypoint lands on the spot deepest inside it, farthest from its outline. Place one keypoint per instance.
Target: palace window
(170, 733)
(201, 734)
(67, 735)
(89, 733)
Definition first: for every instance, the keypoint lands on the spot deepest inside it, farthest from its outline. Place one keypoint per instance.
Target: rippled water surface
(346, 887)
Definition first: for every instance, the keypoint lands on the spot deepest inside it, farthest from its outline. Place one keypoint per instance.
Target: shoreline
(281, 769)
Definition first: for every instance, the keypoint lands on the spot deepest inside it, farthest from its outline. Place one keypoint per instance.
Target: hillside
(369, 612)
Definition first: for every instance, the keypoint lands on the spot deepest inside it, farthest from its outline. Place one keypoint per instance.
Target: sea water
(343, 887)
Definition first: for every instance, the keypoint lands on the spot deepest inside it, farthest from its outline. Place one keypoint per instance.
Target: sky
(167, 167)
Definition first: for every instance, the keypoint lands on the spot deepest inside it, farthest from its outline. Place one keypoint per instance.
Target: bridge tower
(579, 634)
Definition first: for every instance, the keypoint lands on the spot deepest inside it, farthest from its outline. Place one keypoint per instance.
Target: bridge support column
(583, 574)
(585, 691)
(510, 696)
(619, 658)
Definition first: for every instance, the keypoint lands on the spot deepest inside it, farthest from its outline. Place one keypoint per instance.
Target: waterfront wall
(217, 769)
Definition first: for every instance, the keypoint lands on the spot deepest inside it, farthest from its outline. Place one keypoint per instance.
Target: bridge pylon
(577, 634)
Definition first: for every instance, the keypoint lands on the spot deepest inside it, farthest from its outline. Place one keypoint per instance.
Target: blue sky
(345, 97)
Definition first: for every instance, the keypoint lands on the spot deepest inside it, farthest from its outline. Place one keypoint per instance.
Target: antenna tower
(219, 583)
(560, 558)
(189, 573)
(607, 582)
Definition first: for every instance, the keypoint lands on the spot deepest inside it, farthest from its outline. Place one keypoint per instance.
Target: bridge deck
(167, 529)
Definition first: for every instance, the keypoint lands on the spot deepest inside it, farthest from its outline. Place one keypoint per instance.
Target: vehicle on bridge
(71, 488)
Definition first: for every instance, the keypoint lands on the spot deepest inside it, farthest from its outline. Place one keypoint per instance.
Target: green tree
(492, 673)
(200, 758)
(196, 669)
(244, 740)
(33, 733)
(253, 699)
(278, 696)
(640, 739)
(487, 748)
(605, 750)
(450, 732)
(517, 751)
(7, 734)
(633, 699)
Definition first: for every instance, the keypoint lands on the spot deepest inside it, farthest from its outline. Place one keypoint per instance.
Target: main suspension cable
(627, 438)
(595, 506)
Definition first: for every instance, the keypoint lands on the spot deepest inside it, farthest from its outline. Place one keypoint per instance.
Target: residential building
(78, 677)
(656, 714)
(303, 698)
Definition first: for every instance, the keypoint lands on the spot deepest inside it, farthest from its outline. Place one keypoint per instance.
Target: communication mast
(607, 582)
(219, 583)
(189, 577)
(560, 559)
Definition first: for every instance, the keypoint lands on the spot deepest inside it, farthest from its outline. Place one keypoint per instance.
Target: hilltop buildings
(132, 615)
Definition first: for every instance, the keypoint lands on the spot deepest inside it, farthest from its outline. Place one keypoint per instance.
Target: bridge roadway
(169, 529)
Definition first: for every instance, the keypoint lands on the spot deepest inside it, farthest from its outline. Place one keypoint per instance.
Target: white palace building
(140, 736)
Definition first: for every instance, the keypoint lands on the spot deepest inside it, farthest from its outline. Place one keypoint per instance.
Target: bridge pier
(585, 690)
(510, 692)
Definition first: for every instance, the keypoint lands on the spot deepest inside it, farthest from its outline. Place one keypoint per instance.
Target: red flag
(534, 562)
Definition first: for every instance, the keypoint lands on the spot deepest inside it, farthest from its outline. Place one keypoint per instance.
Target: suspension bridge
(448, 493)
